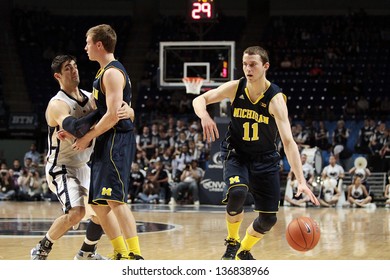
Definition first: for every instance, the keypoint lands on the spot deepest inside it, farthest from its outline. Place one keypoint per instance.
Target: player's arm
(56, 112)
(278, 109)
(79, 127)
(113, 83)
(226, 90)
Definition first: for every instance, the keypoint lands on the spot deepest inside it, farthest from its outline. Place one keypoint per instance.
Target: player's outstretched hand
(303, 188)
(210, 130)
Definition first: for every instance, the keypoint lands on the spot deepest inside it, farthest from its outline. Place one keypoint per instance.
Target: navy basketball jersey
(100, 96)
(252, 129)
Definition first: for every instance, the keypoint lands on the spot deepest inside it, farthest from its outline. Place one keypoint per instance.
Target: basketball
(303, 234)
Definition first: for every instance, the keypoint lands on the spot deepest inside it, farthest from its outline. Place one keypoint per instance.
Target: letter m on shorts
(234, 180)
(106, 191)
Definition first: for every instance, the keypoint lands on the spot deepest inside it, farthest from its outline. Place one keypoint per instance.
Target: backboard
(210, 60)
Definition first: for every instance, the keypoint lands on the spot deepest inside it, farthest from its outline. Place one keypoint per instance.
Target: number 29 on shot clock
(201, 10)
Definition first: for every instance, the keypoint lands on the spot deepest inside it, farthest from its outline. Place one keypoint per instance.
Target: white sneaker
(196, 203)
(76, 226)
(172, 202)
(88, 256)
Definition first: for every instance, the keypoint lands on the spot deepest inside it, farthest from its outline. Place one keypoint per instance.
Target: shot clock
(201, 10)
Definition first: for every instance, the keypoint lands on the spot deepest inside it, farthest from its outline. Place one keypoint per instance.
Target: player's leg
(128, 226)
(235, 176)
(266, 193)
(58, 228)
(112, 229)
(254, 233)
(71, 196)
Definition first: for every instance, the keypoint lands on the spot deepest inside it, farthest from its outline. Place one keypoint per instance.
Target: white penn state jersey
(61, 152)
(333, 171)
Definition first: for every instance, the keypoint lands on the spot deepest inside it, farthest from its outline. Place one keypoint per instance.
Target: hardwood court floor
(190, 233)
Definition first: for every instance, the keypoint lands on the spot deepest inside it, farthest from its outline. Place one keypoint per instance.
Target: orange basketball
(303, 234)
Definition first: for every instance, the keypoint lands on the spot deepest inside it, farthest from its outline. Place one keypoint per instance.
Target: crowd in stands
(169, 149)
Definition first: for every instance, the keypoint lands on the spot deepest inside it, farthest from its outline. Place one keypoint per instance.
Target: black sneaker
(244, 255)
(135, 257)
(117, 256)
(232, 247)
(39, 253)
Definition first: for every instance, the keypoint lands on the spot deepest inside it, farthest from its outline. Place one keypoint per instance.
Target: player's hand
(64, 135)
(125, 112)
(303, 188)
(210, 130)
(81, 144)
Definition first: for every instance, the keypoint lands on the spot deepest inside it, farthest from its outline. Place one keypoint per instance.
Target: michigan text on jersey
(250, 114)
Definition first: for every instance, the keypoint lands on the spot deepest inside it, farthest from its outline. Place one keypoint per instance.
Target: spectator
(300, 136)
(357, 194)
(145, 142)
(30, 186)
(141, 159)
(188, 187)
(166, 159)
(365, 134)
(29, 164)
(378, 139)
(137, 179)
(7, 186)
(157, 183)
(181, 140)
(333, 171)
(307, 168)
(181, 158)
(322, 137)
(330, 193)
(164, 141)
(340, 137)
(363, 173)
(33, 154)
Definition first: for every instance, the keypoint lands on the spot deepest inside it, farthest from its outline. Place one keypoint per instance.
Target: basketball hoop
(193, 84)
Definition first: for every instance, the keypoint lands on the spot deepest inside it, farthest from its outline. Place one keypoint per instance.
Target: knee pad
(237, 197)
(264, 222)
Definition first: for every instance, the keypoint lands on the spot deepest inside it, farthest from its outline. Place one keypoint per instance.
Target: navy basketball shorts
(260, 174)
(111, 163)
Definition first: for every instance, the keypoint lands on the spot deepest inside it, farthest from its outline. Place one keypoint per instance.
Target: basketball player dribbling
(249, 150)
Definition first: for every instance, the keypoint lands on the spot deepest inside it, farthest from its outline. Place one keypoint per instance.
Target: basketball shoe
(244, 255)
(135, 257)
(39, 252)
(118, 256)
(88, 256)
(232, 247)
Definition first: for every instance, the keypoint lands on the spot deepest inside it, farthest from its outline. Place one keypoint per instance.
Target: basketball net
(193, 84)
